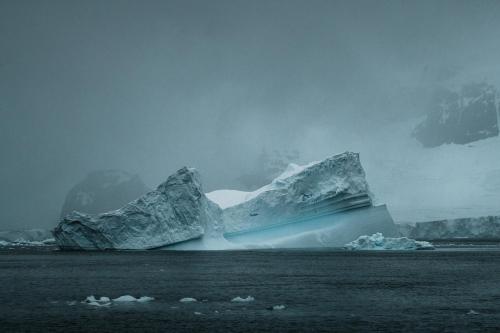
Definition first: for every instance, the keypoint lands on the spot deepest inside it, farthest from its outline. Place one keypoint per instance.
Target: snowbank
(378, 242)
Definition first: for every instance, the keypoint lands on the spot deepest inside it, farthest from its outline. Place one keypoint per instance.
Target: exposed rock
(460, 117)
(176, 211)
(102, 191)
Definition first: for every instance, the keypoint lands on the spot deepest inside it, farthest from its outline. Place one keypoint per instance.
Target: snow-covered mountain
(467, 115)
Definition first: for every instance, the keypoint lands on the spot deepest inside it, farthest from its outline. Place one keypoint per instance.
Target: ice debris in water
(106, 301)
(377, 241)
(239, 299)
(279, 307)
(187, 300)
(128, 298)
(103, 301)
(472, 312)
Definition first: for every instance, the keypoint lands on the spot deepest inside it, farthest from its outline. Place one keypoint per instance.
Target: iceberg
(378, 242)
(176, 211)
(325, 203)
(322, 204)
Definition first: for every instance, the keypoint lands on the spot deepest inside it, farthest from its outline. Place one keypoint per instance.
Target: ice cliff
(176, 211)
(486, 227)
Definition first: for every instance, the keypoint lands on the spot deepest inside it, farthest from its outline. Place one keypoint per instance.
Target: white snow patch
(187, 300)
(243, 300)
(377, 241)
(229, 198)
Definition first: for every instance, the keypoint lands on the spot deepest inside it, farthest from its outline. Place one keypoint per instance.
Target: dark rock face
(102, 191)
(176, 211)
(460, 117)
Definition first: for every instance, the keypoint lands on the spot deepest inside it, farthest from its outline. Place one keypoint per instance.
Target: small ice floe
(128, 298)
(71, 303)
(187, 300)
(279, 307)
(472, 312)
(243, 300)
(106, 301)
(198, 313)
(379, 242)
(103, 301)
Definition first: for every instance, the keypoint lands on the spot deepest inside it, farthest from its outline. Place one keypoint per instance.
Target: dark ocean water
(326, 290)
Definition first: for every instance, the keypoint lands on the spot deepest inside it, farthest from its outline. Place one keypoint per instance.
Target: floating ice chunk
(279, 307)
(128, 298)
(472, 312)
(243, 300)
(187, 300)
(91, 300)
(145, 299)
(198, 313)
(377, 241)
(125, 298)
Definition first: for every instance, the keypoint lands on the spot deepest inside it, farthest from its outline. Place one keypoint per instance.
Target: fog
(151, 86)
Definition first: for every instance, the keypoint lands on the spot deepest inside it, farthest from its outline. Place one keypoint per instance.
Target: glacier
(484, 227)
(176, 211)
(322, 204)
(377, 241)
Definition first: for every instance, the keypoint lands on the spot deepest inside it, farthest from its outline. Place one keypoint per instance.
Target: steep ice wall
(176, 211)
(486, 227)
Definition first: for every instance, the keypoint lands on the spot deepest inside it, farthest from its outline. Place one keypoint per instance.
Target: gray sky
(150, 86)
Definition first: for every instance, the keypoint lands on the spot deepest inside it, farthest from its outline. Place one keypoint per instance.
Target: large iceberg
(176, 211)
(486, 227)
(377, 241)
(325, 203)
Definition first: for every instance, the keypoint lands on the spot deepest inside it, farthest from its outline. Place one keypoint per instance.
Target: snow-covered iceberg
(325, 203)
(176, 211)
(485, 227)
(377, 241)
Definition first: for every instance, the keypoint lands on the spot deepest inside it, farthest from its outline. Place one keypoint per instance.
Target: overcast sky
(149, 86)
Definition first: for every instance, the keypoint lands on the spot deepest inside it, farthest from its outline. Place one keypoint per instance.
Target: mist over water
(149, 87)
